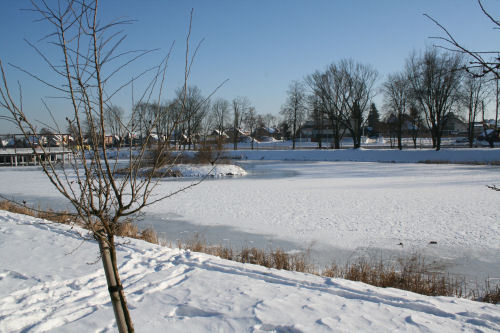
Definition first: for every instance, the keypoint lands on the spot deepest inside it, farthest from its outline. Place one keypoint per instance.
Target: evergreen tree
(374, 118)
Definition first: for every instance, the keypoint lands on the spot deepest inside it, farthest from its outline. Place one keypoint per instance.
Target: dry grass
(165, 160)
(409, 273)
(274, 258)
(492, 296)
(435, 162)
(488, 294)
(206, 154)
(126, 229)
(48, 214)
(210, 154)
(148, 235)
(463, 163)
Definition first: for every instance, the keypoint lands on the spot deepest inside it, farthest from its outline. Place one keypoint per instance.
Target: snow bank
(285, 153)
(372, 155)
(49, 282)
(197, 170)
(333, 205)
(201, 170)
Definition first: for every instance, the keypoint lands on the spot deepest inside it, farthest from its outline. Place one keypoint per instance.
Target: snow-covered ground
(202, 170)
(459, 155)
(339, 209)
(355, 207)
(50, 281)
(366, 142)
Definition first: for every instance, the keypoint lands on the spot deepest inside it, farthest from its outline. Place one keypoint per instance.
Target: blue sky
(260, 46)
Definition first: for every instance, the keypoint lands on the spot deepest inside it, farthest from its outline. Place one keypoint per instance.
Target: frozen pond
(338, 210)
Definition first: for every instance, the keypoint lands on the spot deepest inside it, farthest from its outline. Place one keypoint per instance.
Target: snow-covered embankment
(51, 281)
(462, 155)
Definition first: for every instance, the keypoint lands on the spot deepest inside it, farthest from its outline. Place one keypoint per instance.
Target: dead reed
(488, 294)
(126, 229)
(47, 214)
(462, 163)
(273, 258)
(411, 273)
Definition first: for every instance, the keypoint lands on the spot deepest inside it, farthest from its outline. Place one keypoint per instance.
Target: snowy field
(351, 204)
(366, 142)
(344, 209)
(339, 210)
(49, 281)
(457, 155)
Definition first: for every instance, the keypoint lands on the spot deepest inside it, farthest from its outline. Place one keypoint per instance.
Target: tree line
(188, 119)
(105, 196)
(433, 86)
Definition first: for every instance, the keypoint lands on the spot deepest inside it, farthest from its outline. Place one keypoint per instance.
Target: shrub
(48, 214)
(126, 229)
(149, 235)
(210, 154)
(488, 294)
(408, 273)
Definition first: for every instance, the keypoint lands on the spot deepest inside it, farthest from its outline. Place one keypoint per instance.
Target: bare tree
(482, 63)
(473, 94)
(144, 118)
(206, 123)
(416, 122)
(250, 120)
(357, 93)
(167, 119)
(294, 108)
(173, 118)
(344, 91)
(240, 105)
(317, 114)
(90, 57)
(270, 120)
(114, 120)
(497, 102)
(396, 95)
(435, 80)
(389, 125)
(328, 89)
(220, 112)
(194, 107)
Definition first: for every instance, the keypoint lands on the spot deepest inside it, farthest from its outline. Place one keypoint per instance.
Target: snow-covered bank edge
(446, 155)
(462, 155)
(195, 292)
(202, 170)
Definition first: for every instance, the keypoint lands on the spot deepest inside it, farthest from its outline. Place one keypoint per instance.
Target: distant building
(316, 131)
(217, 136)
(242, 135)
(263, 133)
(454, 125)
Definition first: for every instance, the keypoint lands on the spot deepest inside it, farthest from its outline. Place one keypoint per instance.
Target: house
(215, 136)
(453, 125)
(263, 133)
(35, 141)
(315, 130)
(7, 142)
(57, 140)
(408, 126)
(242, 135)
